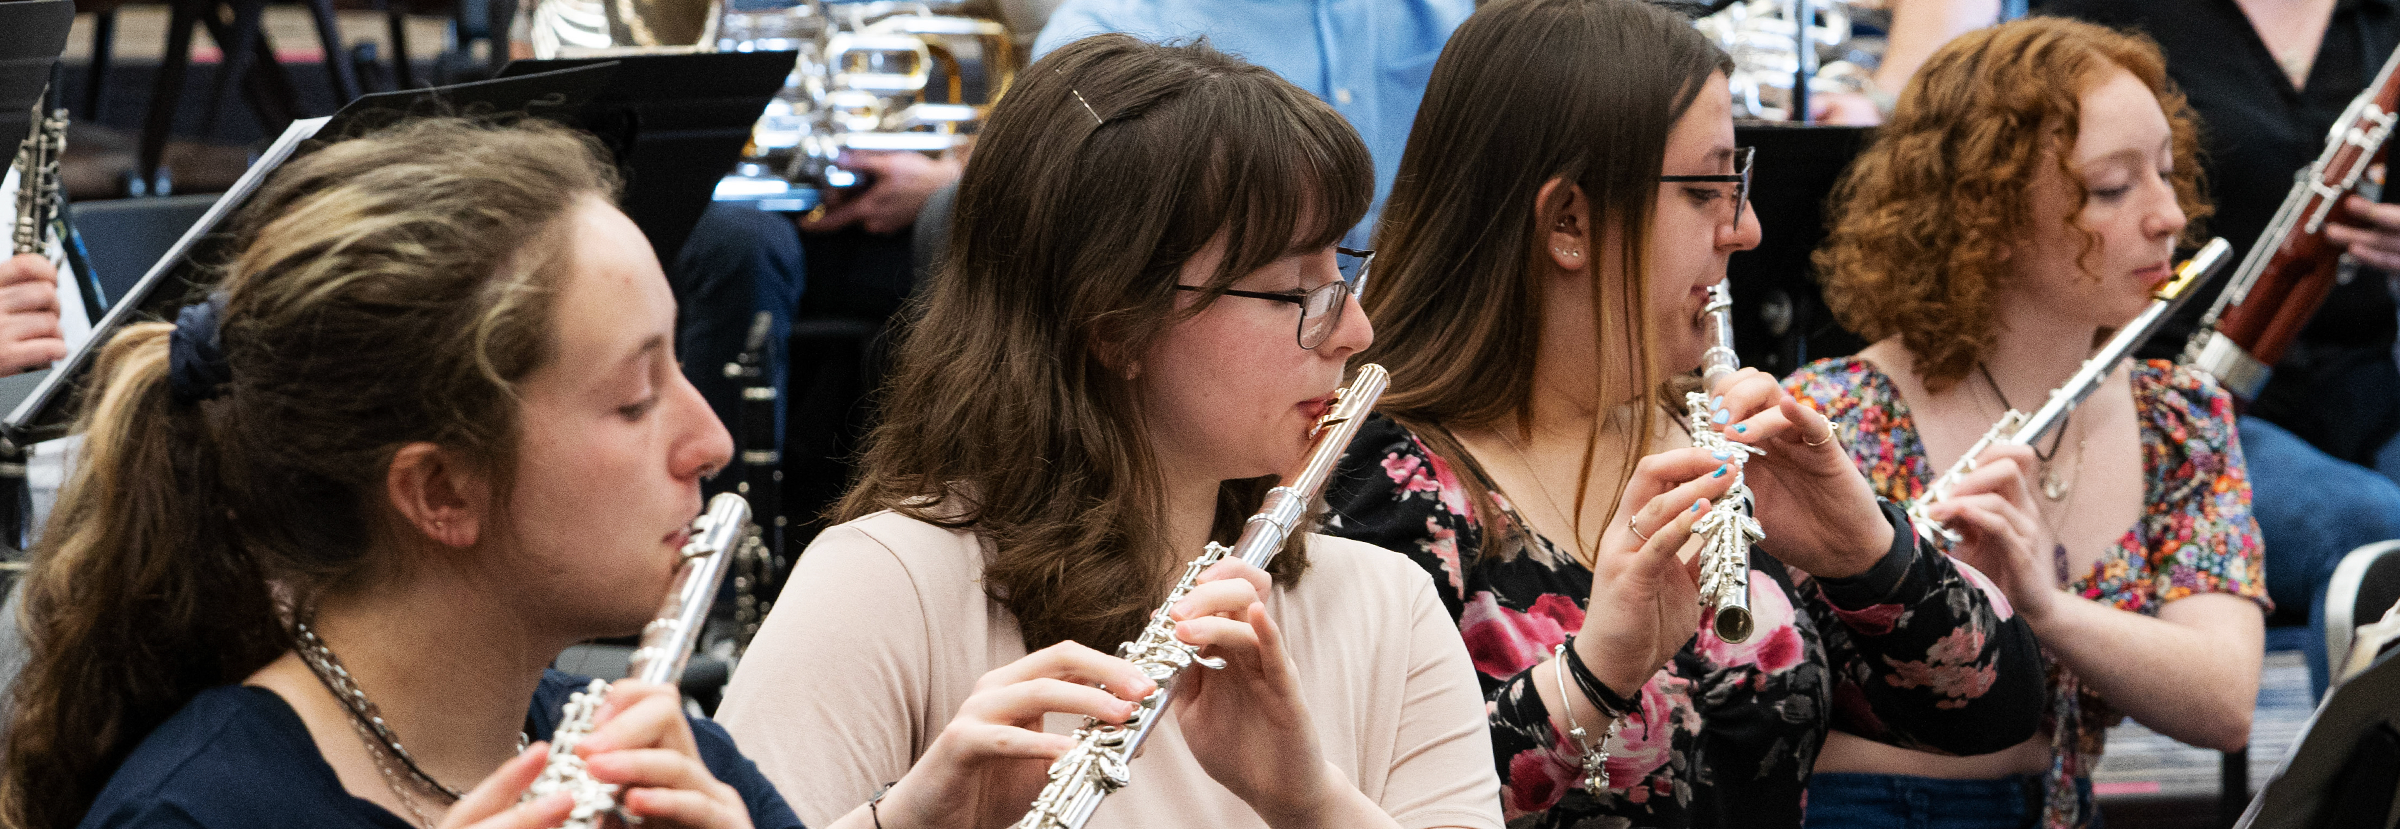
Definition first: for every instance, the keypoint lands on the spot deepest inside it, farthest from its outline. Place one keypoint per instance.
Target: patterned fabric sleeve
(1938, 661)
(2203, 538)
(1927, 653)
(1393, 492)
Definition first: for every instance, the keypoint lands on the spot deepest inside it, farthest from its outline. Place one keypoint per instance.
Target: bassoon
(2292, 267)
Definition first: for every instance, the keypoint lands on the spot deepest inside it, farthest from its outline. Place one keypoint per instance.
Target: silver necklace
(381, 741)
(2053, 487)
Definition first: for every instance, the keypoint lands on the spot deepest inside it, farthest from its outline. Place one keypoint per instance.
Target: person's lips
(2156, 275)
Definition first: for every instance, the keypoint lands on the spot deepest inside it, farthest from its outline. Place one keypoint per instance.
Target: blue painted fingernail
(1741, 428)
(1720, 417)
(1720, 473)
(1722, 454)
(1696, 504)
(1718, 401)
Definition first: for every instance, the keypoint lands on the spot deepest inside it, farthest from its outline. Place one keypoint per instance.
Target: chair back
(2364, 586)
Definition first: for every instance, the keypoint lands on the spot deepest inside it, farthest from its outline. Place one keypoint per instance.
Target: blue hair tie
(196, 368)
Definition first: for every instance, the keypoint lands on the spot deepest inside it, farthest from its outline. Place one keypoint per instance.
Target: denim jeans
(2312, 509)
(1892, 801)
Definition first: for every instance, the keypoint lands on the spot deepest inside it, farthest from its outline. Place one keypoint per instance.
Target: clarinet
(2019, 429)
(39, 195)
(665, 646)
(758, 569)
(1729, 528)
(1097, 765)
(2292, 268)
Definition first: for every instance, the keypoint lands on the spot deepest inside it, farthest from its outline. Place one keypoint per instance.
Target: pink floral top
(1724, 734)
(2196, 534)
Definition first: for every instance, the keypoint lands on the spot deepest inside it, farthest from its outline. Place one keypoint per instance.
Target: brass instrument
(864, 80)
(666, 645)
(1770, 53)
(1098, 764)
(1728, 530)
(2019, 429)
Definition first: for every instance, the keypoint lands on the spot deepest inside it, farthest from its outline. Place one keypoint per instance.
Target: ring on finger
(1820, 442)
(1637, 531)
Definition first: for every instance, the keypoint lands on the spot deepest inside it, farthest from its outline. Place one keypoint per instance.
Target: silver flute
(666, 645)
(2017, 428)
(38, 184)
(1097, 765)
(1729, 529)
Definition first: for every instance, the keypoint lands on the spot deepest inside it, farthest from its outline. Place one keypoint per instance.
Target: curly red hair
(1924, 217)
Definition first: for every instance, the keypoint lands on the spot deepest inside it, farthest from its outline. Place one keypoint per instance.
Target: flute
(1097, 765)
(2019, 429)
(665, 646)
(1729, 529)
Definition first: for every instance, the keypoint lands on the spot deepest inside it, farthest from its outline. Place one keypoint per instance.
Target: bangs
(1294, 179)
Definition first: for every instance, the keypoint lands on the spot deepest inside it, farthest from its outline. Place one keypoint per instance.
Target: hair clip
(1097, 121)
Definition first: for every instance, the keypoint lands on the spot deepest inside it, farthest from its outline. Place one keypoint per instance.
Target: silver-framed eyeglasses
(1320, 307)
(1739, 178)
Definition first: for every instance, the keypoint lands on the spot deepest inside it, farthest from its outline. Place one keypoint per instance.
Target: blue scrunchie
(196, 367)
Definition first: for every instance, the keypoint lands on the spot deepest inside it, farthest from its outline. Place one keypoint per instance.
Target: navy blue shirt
(238, 756)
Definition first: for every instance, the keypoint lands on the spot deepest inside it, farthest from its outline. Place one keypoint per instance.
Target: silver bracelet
(1595, 761)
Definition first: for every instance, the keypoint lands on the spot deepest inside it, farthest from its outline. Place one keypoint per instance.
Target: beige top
(883, 629)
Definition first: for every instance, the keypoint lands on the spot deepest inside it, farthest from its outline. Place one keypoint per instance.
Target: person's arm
(1935, 652)
(1395, 493)
(1441, 773)
(2192, 671)
(1920, 27)
(1926, 653)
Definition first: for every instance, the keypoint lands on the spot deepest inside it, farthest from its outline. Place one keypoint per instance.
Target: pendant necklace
(2053, 487)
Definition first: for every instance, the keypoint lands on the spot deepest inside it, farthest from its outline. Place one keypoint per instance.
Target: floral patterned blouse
(1724, 734)
(2196, 534)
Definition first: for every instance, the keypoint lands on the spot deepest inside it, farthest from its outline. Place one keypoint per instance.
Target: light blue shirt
(1370, 59)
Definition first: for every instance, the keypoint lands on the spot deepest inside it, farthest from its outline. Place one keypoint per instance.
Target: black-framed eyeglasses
(1740, 179)
(1320, 307)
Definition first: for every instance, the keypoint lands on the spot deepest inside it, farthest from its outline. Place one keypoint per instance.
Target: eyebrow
(655, 343)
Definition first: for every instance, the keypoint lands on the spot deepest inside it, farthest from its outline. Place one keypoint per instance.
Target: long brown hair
(1526, 92)
(1109, 165)
(1924, 218)
(388, 289)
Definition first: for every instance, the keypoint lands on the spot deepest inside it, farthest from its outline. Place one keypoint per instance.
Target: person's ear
(438, 495)
(1565, 217)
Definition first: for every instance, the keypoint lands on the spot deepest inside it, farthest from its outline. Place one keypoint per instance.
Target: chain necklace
(381, 741)
(1583, 554)
(2053, 487)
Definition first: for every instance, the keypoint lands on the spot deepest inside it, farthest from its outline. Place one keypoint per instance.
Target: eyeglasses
(1320, 307)
(1740, 179)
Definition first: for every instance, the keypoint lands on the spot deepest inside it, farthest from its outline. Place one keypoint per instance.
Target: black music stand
(1780, 321)
(678, 123)
(33, 33)
(2345, 769)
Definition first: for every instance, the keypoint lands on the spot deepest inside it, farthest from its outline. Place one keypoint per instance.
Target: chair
(2364, 585)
